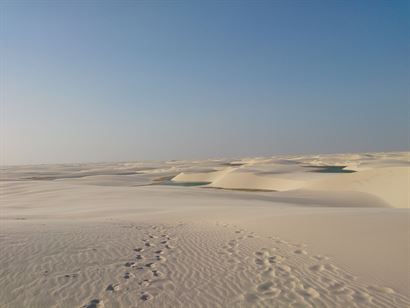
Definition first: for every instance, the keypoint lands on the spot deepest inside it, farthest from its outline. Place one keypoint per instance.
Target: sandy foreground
(283, 231)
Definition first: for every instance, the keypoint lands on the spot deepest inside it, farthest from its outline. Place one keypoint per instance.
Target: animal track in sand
(300, 252)
(126, 275)
(146, 296)
(266, 286)
(129, 264)
(70, 275)
(113, 287)
(362, 296)
(144, 283)
(317, 268)
(292, 278)
(144, 270)
(261, 253)
(157, 273)
(160, 258)
(65, 279)
(321, 258)
(95, 303)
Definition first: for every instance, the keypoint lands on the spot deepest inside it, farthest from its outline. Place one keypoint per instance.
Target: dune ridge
(385, 181)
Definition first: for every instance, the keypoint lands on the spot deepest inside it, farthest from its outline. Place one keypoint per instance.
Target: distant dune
(355, 173)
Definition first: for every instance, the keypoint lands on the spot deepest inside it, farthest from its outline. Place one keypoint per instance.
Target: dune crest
(385, 179)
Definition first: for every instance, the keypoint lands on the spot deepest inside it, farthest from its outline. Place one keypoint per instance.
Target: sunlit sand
(302, 230)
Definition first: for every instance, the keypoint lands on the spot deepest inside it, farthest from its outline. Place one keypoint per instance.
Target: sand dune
(391, 184)
(381, 180)
(305, 232)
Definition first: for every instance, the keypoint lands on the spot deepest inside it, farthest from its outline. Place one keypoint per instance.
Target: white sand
(71, 234)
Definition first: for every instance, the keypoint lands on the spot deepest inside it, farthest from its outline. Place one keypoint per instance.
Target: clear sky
(140, 80)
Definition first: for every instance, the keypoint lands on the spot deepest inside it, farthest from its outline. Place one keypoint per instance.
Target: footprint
(144, 283)
(95, 303)
(146, 296)
(260, 262)
(362, 296)
(157, 273)
(340, 288)
(251, 297)
(261, 254)
(71, 276)
(266, 286)
(309, 292)
(160, 259)
(275, 259)
(337, 285)
(284, 268)
(317, 268)
(233, 243)
(330, 267)
(344, 291)
(230, 250)
(268, 273)
(113, 287)
(273, 292)
(129, 264)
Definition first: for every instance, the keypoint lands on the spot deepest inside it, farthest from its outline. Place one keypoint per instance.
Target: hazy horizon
(94, 82)
(210, 158)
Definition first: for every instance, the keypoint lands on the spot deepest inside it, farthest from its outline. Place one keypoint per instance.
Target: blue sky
(126, 80)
